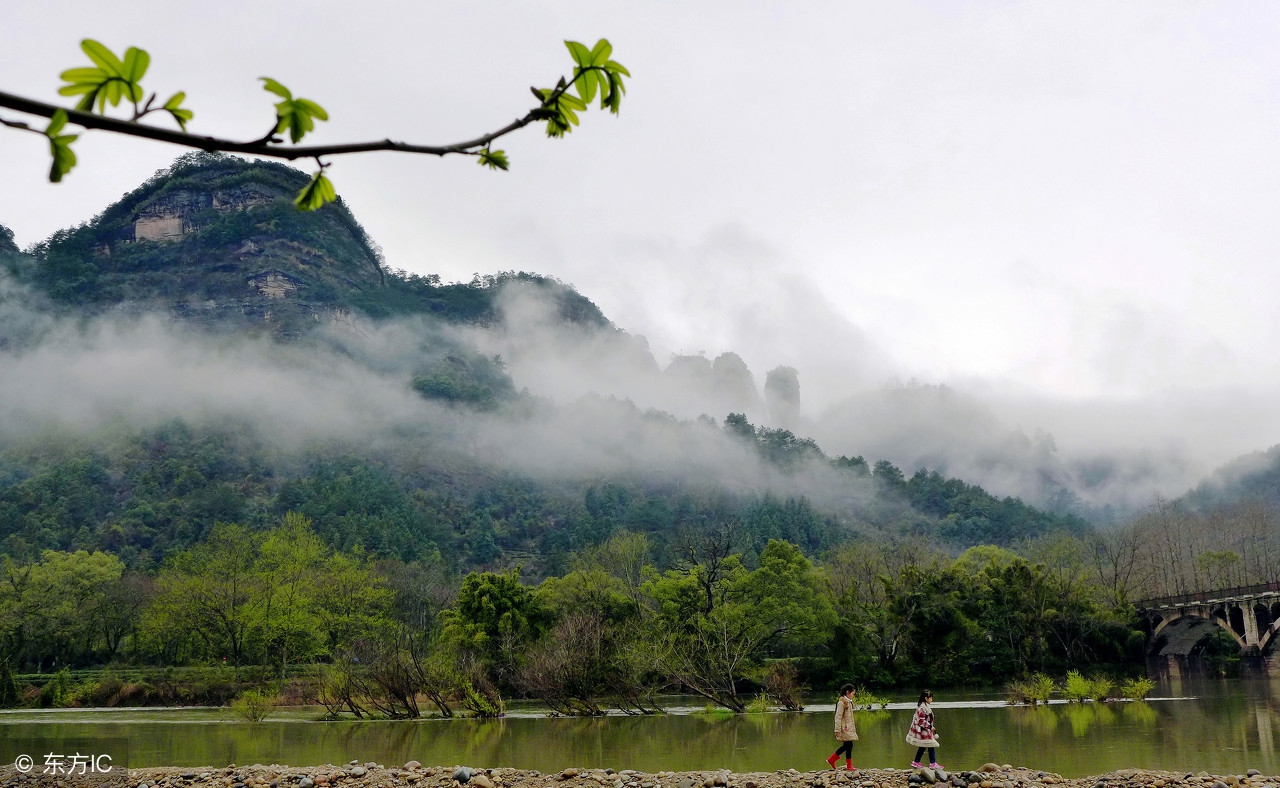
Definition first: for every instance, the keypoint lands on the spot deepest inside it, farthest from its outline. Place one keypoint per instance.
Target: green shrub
(1078, 688)
(57, 691)
(1100, 688)
(252, 706)
(760, 705)
(1031, 691)
(1137, 689)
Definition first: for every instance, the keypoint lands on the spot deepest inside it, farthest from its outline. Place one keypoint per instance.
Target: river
(1221, 726)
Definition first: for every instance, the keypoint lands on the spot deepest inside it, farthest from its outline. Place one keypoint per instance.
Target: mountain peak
(215, 239)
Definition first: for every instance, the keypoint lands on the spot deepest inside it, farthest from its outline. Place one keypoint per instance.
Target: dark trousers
(920, 755)
(845, 747)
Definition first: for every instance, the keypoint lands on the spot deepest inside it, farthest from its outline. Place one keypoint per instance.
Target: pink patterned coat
(922, 733)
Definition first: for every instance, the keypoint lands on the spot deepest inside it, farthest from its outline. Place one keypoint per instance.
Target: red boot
(848, 765)
(832, 760)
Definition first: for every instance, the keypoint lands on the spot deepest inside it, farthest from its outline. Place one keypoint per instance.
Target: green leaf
(84, 76)
(102, 56)
(316, 193)
(86, 104)
(600, 52)
(72, 90)
(181, 115)
(136, 62)
(275, 87)
(580, 54)
(617, 67)
(586, 83)
(312, 108)
(494, 160)
(56, 122)
(63, 157)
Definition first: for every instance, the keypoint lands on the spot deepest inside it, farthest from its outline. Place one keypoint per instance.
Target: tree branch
(258, 147)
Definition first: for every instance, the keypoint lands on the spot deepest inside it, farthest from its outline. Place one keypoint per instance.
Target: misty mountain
(1252, 477)
(201, 352)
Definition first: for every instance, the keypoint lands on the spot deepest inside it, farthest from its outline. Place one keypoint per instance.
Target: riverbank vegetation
(281, 611)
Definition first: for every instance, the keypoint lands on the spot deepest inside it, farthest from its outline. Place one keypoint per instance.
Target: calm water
(1218, 726)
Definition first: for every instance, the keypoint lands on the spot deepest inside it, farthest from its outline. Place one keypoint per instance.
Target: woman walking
(922, 735)
(846, 733)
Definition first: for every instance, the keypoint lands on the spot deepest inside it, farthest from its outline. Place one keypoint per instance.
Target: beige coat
(845, 730)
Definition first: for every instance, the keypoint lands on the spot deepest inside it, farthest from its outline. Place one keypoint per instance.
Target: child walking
(922, 734)
(846, 733)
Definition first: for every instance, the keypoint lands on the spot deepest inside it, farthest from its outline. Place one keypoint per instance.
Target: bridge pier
(1250, 622)
(1167, 667)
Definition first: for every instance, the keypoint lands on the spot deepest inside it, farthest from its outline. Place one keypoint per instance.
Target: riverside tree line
(621, 625)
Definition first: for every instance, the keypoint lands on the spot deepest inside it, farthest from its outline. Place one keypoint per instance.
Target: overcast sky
(1067, 201)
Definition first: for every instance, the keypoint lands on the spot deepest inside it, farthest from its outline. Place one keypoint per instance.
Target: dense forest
(353, 504)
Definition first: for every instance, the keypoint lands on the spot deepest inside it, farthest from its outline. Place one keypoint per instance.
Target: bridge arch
(1181, 630)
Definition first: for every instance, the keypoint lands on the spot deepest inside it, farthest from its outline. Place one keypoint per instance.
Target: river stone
(685, 783)
(462, 774)
(1231, 779)
(719, 780)
(358, 771)
(927, 775)
(1253, 773)
(1219, 784)
(306, 782)
(749, 784)
(941, 774)
(481, 781)
(989, 767)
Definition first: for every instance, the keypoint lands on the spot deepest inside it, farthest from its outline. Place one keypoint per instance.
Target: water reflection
(1226, 727)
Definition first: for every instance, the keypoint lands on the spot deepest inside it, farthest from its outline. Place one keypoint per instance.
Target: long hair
(924, 695)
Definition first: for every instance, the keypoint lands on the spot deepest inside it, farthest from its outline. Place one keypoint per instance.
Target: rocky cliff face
(216, 240)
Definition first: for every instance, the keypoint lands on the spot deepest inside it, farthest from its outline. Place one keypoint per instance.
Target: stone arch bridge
(1177, 625)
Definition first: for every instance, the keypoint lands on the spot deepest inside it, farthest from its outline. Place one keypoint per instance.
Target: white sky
(1073, 201)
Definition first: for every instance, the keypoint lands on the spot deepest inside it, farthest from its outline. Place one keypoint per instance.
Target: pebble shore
(415, 775)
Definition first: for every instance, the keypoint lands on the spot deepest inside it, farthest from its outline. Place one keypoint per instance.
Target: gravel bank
(414, 775)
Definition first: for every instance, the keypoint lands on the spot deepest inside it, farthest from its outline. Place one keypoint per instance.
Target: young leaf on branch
(294, 114)
(494, 160)
(60, 146)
